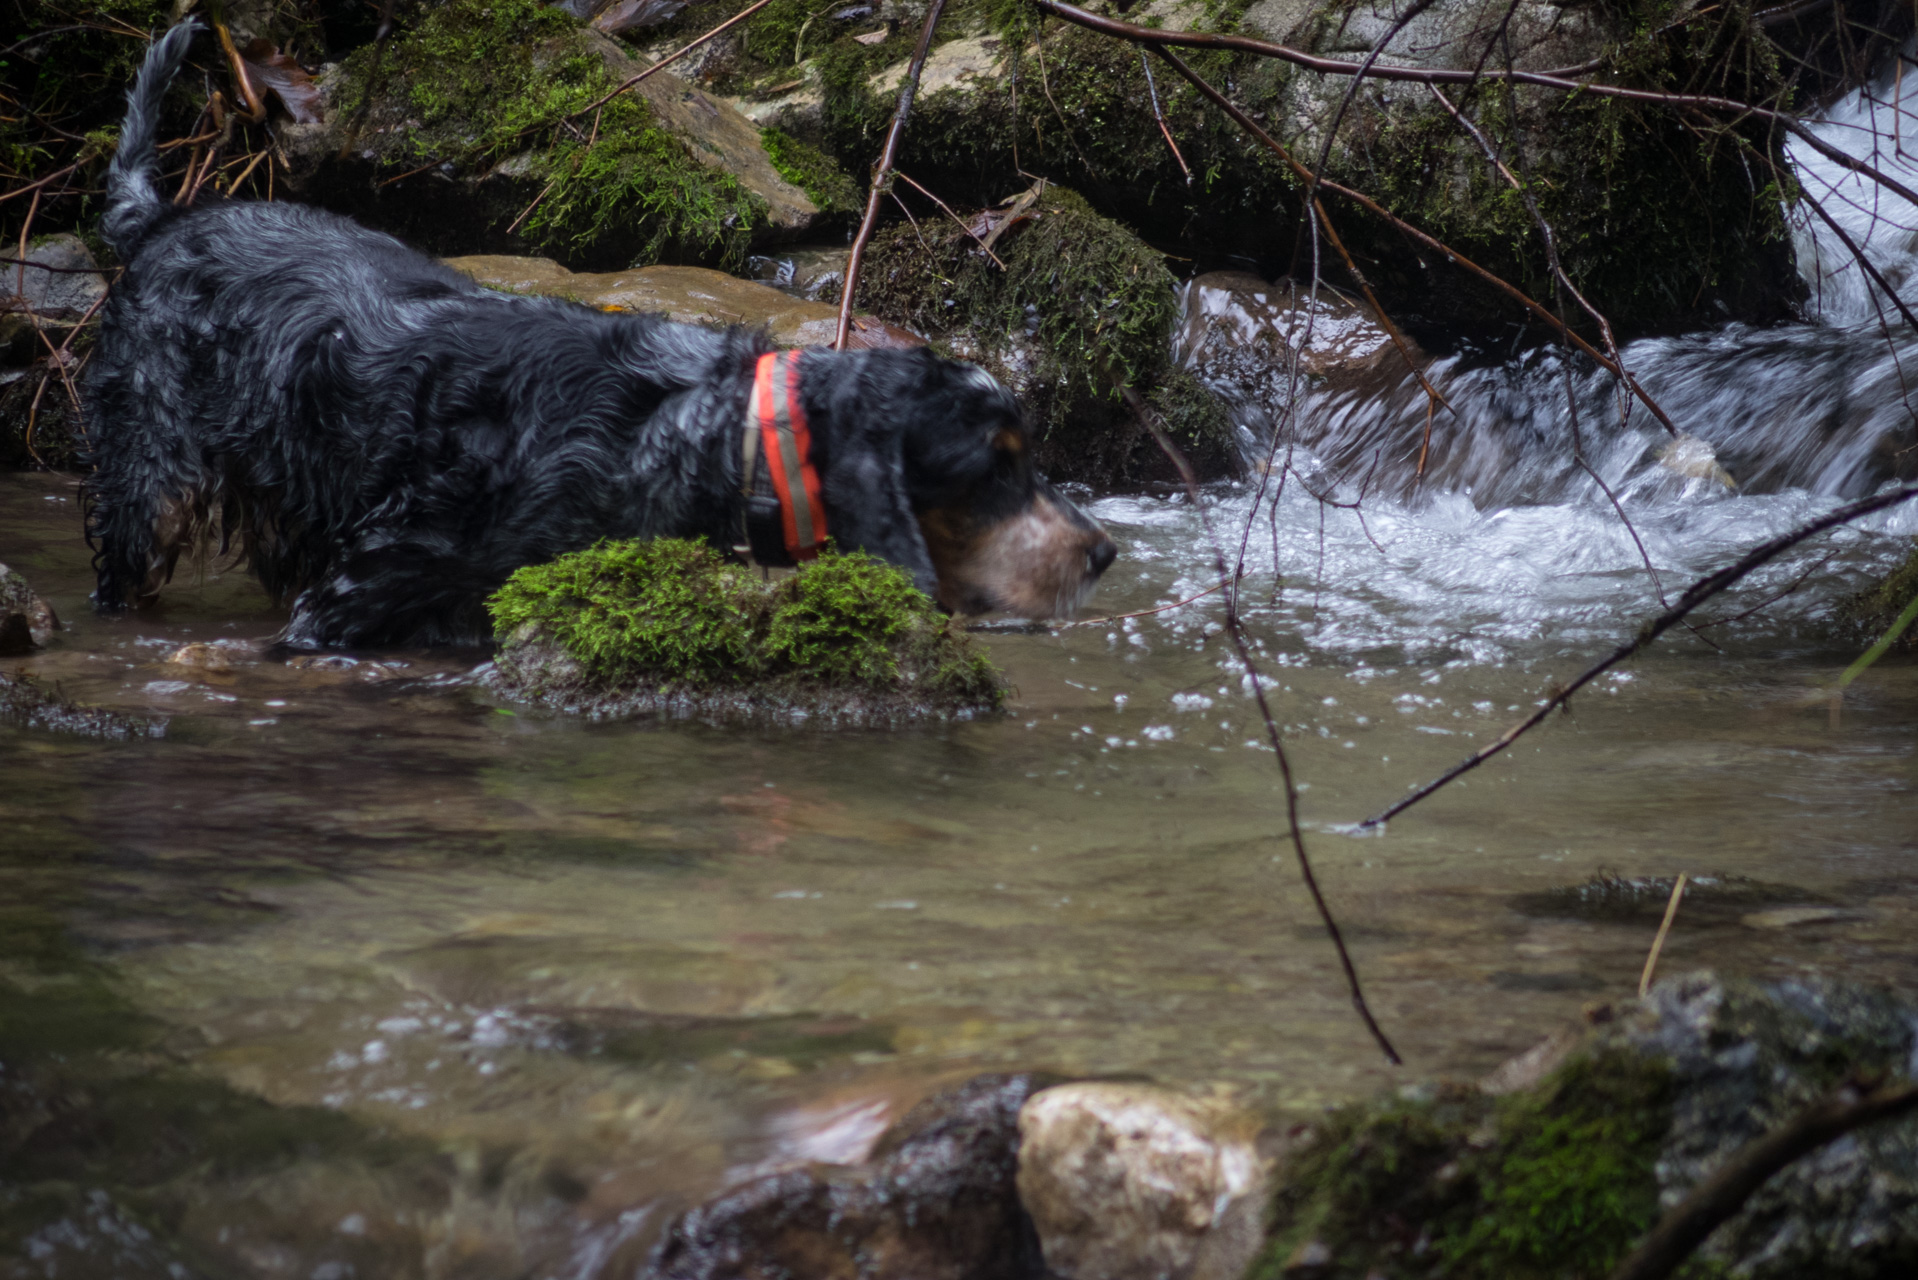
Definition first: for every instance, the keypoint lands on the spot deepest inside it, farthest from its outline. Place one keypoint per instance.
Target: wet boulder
(1561, 1160)
(669, 628)
(26, 621)
(1131, 1181)
(937, 1201)
(490, 127)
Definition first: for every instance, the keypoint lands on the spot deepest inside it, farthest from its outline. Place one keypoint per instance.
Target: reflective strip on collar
(787, 445)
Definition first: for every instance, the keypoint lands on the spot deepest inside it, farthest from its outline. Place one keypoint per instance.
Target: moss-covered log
(668, 627)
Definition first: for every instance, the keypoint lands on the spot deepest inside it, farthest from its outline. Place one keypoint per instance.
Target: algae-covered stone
(1069, 311)
(1563, 1177)
(668, 626)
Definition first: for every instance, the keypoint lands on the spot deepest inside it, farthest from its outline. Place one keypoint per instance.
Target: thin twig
(1696, 594)
(1852, 1105)
(1142, 613)
(671, 58)
(1236, 629)
(1158, 113)
(1664, 927)
(950, 214)
(882, 173)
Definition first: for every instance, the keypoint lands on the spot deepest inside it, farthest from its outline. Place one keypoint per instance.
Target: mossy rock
(496, 102)
(669, 627)
(1870, 614)
(1075, 309)
(1664, 222)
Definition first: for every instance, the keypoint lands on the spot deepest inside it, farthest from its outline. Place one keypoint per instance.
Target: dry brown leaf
(873, 37)
(270, 69)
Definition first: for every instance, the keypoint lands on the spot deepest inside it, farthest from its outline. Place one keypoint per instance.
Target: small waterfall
(1826, 405)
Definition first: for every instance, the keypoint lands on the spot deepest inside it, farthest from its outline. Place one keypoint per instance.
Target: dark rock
(26, 621)
(938, 1201)
(64, 284)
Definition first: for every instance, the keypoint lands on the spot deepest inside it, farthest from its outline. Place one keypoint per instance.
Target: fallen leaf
(270, 69)
(873, 37)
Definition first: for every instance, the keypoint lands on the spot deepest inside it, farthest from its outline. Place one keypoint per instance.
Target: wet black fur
(387, 440)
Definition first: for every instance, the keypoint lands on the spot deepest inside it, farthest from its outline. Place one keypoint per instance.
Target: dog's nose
(1100, 558)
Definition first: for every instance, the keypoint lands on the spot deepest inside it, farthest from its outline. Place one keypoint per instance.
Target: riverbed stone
(27, 622)
(1132, 1181)
(63, 284)
(938, 1201)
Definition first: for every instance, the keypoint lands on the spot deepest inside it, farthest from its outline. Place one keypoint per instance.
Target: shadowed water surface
(355, 968)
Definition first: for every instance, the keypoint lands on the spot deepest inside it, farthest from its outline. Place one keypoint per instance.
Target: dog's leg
(394, 590)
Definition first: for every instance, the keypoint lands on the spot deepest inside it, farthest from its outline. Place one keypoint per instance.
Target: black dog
(386, 441)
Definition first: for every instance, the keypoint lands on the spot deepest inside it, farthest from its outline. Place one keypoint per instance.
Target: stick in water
(1664, 927)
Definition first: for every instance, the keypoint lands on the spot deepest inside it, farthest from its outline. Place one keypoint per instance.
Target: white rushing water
(1507, 545)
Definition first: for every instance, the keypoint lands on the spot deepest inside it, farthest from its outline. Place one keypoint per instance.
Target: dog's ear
(857, 418)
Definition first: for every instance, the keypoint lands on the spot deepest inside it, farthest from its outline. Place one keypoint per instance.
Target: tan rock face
(688, 295)
(1136, 1182)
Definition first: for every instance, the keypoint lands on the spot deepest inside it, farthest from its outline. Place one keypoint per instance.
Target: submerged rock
(1563, 1158)
(27, 705)
(1129, 1181)
(26, 621)
(669, 628)
(938, 1201)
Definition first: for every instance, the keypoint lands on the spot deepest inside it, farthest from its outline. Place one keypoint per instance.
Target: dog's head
(927, 463)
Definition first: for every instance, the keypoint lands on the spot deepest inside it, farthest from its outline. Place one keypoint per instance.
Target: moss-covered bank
(1071, 309)
(1664, 222)
(668, 626)
(505, 88)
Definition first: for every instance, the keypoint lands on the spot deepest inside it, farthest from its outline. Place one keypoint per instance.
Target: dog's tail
(134, 203)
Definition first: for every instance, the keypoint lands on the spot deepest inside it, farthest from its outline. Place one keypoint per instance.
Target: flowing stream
(356, 973)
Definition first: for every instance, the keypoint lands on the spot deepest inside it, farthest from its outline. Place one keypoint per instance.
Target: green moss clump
(669, 624)
(493, 83)
(668, 608)
(1555, 1182)
(1080, 311)
(812, 171)
(1871, 613)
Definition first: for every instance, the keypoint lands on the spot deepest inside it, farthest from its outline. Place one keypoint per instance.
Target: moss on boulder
(1075, 309)
(1664, 222)
(669, 627)
(502, 104)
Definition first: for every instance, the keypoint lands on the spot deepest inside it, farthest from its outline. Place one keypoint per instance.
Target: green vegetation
(491, 83)
(1555, 1182)
(812, 171)
(1092, 304)
(673, 615)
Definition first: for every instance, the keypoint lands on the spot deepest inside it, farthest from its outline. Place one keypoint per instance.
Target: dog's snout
(1100, 558)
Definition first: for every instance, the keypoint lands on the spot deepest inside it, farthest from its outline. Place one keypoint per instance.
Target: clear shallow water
(546, 981)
